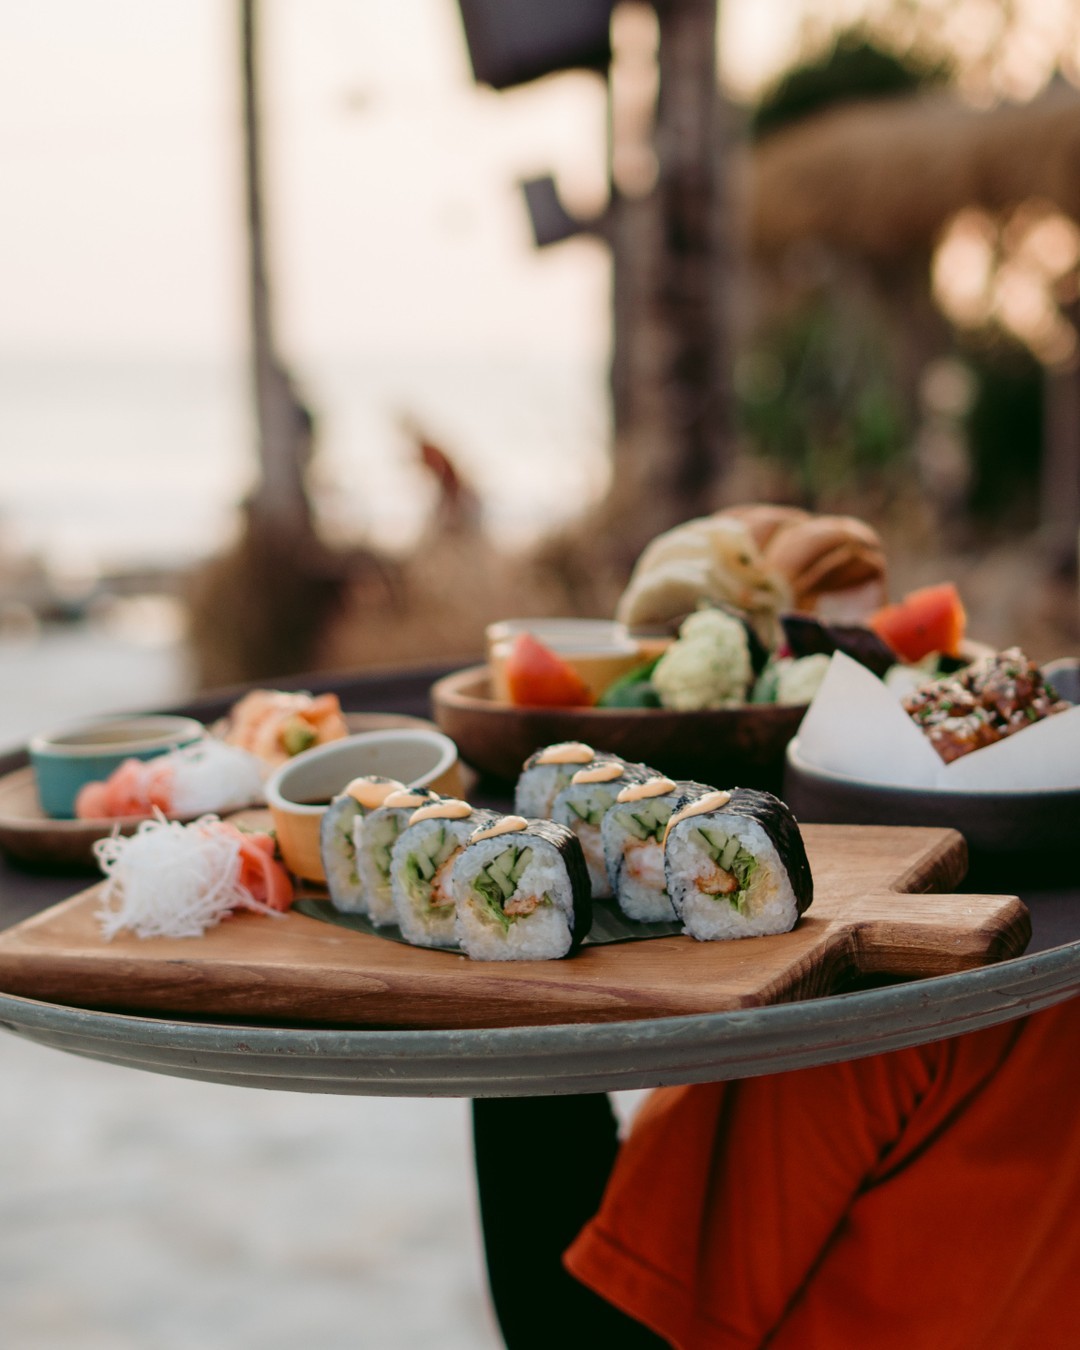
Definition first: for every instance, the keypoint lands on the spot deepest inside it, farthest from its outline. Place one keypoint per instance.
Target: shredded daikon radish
(171, 880)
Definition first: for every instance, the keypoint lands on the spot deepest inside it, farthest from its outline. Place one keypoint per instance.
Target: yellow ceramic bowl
(600, 650)
(301, 790)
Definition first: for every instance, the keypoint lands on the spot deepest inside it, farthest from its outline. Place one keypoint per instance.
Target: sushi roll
(374, 836)
(337, 841)
(521, 892)
(582, 804)
(736, 865)
(545, 774)
(420, 865)
(633, 833)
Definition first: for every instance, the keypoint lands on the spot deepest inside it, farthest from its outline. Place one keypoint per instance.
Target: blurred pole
(672, 254)
(284, 424)
(259, 610)
(1059, 488)
(1059, 481)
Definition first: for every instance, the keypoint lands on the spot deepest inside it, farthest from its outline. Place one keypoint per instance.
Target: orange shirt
(927, 1199)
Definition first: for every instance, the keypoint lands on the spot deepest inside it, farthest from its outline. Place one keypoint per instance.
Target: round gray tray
(528, 1061)
(541, 1060)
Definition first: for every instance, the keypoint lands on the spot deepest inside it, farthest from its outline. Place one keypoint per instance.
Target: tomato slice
(928, 620)
(537, 677)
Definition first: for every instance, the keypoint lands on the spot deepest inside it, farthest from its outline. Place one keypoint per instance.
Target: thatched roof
(881, 180)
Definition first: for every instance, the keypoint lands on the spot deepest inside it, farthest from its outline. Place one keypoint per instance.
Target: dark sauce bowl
(1015, 839)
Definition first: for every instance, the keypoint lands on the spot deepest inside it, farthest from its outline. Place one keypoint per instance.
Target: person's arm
(726, 1196)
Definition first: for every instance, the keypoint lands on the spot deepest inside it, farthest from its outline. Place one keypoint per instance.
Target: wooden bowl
(729, 746)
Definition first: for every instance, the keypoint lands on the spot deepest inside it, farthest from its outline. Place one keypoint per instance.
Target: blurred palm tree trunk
(260, 610)
(672, 251)
(283, 422)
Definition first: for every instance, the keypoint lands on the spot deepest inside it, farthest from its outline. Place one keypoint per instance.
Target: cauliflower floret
(708, 666)
(798, 681)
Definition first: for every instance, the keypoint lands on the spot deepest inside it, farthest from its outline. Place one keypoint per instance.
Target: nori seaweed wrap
(421, 863)
(544, 775)
(374, 836)
(633, 836)
(521, 894)
(736, 865)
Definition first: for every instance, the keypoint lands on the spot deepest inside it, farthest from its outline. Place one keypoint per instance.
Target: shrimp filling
(498, 891)
(726, 871)
(427, 871)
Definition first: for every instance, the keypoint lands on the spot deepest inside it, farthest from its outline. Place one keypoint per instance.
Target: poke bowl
(1019, 812)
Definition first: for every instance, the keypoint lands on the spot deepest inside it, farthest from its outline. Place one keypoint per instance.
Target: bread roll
(709, 561)
(827, 554)
(764, 520)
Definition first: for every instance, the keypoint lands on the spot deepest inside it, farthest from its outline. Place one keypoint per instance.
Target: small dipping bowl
(299, 792)
(87, 752)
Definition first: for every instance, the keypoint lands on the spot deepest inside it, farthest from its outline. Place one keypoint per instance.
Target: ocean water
(106, 464)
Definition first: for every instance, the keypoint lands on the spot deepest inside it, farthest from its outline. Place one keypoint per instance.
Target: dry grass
(449, 591)
(446, 593)
(879, 181)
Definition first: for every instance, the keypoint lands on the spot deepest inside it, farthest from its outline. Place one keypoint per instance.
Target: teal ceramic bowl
(89, 751)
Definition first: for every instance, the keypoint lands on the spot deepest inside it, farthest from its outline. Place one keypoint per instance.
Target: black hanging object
(514, 41)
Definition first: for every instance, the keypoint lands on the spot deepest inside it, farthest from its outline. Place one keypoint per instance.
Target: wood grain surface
(880, 909)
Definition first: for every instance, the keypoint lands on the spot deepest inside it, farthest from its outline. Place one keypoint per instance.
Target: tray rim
(564, 1057)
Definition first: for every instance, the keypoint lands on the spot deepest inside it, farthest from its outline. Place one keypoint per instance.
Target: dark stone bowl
(1015, 838)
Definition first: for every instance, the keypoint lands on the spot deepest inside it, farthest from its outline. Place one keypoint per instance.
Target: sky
(401, 259)
(395, 220)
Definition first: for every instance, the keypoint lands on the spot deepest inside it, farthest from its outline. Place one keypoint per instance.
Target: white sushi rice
(368, 832)
(545, 934)
(635, 867)
(422, 924)
(592, 845)
(769, 899)
(591, 797)
(537, 788)
(337, 849)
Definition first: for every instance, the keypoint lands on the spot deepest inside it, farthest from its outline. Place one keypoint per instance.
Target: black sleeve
(541, 1167)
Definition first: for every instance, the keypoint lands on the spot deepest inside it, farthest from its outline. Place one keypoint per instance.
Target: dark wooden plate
(30, 837)
(729, 746)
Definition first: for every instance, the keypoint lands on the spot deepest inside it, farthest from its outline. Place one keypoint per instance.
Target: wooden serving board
(878, 910)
